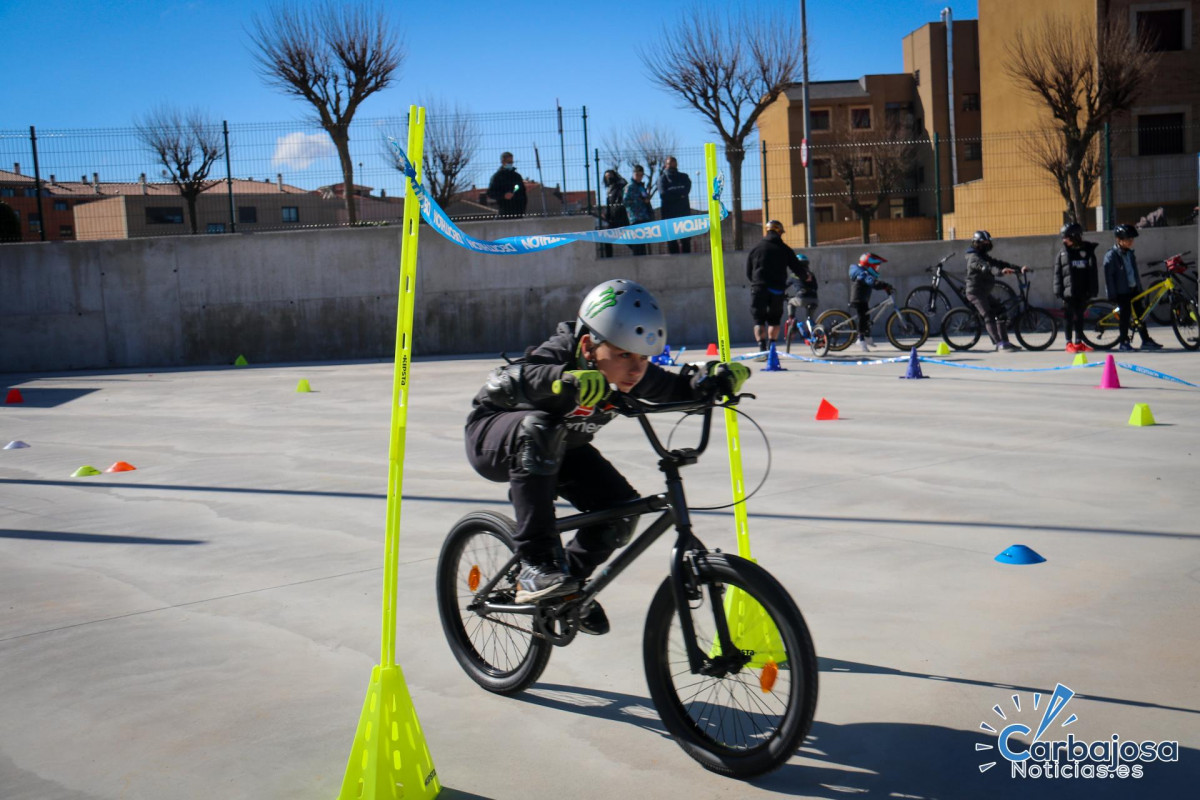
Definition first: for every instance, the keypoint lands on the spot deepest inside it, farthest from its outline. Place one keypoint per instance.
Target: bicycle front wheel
(907, 328)
(931, 302)
(819, 342)
(746, 712)
(1186, 321)
(839, 329)
(961, 328)
(1101, 328)
(1036, 329)
(500, 652)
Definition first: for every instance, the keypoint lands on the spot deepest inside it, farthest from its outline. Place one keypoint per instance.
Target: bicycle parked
(1035, 328)
(729, 660)
(812, 334)
(906, 328)
(1101, 319)
(934, 304)
(1178, 269)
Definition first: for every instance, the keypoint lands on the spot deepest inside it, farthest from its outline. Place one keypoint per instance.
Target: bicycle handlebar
(629, 406)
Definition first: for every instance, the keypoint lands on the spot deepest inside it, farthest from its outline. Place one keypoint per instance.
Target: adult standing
(1122, 283)
(508, 188)
(1075, 282)
(767, 268)
(614, 214)
(674, 192)
(637, 204)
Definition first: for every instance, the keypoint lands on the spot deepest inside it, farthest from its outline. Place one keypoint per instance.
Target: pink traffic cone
(1109, 380)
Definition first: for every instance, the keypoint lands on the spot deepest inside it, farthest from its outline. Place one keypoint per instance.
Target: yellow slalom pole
(749, 624)
(389, 759)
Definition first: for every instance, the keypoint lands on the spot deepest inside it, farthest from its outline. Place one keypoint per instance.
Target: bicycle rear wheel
(1185, 319)
(1101, 329)
(931, 302)
(839, 329)
(749, 711)
(961, 328)
(907, 328)
(500, 652)
(1036, 329)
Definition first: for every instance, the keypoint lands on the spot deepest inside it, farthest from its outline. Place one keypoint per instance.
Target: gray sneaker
(539, 581)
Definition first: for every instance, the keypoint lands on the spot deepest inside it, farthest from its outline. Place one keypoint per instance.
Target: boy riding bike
(864, 277)
(533, 421)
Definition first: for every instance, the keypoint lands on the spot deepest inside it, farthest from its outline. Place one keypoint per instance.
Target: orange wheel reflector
(473, 578)
(766, 678)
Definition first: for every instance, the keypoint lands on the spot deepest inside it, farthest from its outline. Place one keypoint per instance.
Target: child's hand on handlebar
(588, 385)
(725, 378)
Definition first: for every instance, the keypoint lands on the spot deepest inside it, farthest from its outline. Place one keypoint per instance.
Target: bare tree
(451, 142)
(1047, 149)
(869, 168)
(1082, 76)
(648, 144)
(187, 145)
(729, 67)
(334, 56)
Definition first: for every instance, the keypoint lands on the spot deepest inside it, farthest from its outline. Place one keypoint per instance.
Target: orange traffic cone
(121, 466)
(827, 410)
(712, 350)
(14, 396)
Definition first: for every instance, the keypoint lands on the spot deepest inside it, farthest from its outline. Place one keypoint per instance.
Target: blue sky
(75, 64)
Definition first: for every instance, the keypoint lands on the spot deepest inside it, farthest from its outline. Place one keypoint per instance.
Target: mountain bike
(1035, 328)
(906, 328)
(1184, 282)
(1101, 318)
(793, 329)
(728, 658)
(933, 302)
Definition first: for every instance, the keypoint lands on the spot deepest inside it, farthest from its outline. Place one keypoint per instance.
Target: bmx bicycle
(906, 328)
(728, 658)
(1035, 328)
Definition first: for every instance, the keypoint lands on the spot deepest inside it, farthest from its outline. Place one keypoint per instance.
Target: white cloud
(298, 150)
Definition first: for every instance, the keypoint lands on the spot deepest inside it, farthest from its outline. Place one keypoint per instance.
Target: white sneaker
(862, 343)
(870, 341)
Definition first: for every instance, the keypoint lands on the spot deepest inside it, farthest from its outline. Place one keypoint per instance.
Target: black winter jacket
(546, 363)
(768, 263)
(1076, 276)
(981, 272)
(674, 187)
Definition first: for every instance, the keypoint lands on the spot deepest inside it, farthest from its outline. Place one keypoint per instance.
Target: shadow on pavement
(90, 538)
(47, 398)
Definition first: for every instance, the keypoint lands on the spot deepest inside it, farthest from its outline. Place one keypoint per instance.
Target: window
(66, 232)
(7, 191)
(917, 77)
(215, 227)
(821, 168)
(1160, 134)
(860, 119)
(865, 167)
(818, 119)
(291, 213)
(164, 215)
(1165, 28)
(972, 151)
(35, 222)
(60, 205)
(970, 102)
(896, 208)
(31, 192)
(247, 214)
(824, 213)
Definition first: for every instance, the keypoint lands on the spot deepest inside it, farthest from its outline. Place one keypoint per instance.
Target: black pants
(585, 479)
(862, 309)
(1073, 318)
(1125, 316)
(679, 246)
(992, 311)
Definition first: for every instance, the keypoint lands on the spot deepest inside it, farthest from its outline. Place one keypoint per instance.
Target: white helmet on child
(625, 315)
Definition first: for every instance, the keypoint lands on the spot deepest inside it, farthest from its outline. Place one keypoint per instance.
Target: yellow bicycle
(1101, 318)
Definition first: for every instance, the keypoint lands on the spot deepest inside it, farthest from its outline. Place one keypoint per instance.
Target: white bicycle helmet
(625, 315)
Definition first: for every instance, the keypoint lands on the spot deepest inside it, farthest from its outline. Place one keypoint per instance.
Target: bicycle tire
(907, 328)
(789, 332)
(501, 653)
(839, 329)
(819, 342)
(1100, 327)
(709, 716)
(961, 328)
(1036, 329)
(1185, 319)
(931, 302)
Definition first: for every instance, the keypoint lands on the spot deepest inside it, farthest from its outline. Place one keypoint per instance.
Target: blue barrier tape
(1153, 373)
(664, 230)
(896, 360)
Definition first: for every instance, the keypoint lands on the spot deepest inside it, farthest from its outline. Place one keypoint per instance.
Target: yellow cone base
(303, 386)
(389, 760)
(943, 349)
(1080, 358)
(1141, 415)
(751, 628)
(241, 361)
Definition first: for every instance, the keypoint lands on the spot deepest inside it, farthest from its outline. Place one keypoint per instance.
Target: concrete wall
(331, 294)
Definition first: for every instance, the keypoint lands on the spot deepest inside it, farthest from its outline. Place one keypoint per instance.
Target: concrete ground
(205, 626)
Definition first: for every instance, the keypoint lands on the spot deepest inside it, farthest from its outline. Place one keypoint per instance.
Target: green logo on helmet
(607, 299)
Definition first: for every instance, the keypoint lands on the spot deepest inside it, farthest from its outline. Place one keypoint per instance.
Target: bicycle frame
(673, 505)
(875, 312)
(1159, 290)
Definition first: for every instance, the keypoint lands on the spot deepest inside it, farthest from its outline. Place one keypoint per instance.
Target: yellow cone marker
(241, 361)
(389, 759)
(943, 349)
(1080, 358)
(303, 386)
(85, 471)
(1141, 415)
